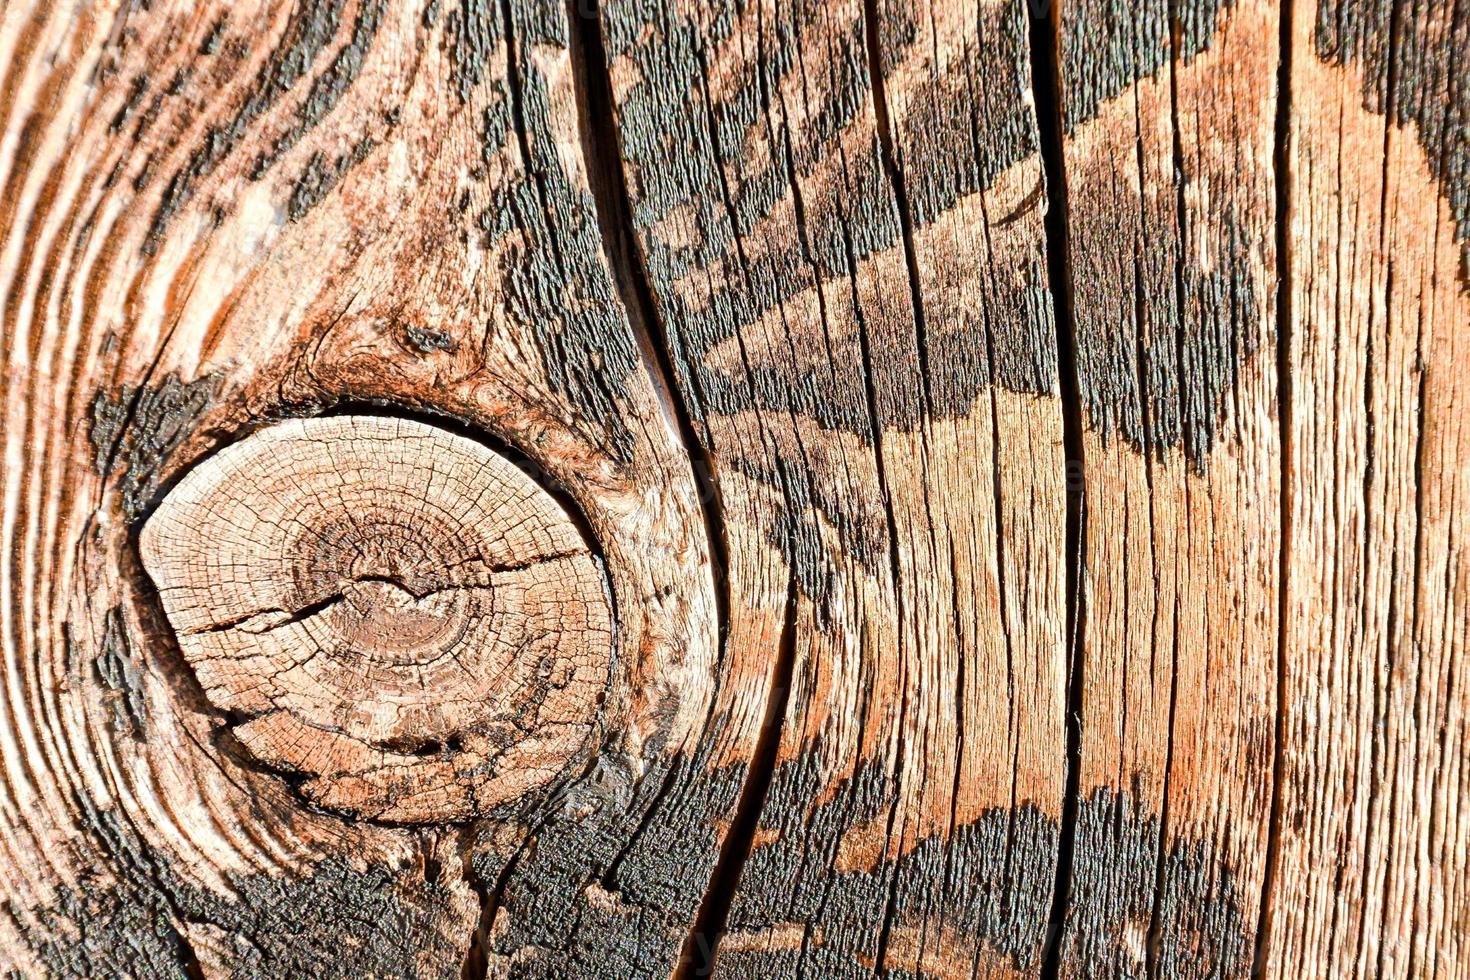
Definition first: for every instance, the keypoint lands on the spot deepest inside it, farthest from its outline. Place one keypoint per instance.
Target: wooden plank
(336, 332)
(221, 215)
(1373, 842)
(1167, 117)
(851, 288)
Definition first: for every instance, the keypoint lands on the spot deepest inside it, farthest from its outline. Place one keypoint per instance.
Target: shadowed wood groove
(1045, 67)
(1283, 421)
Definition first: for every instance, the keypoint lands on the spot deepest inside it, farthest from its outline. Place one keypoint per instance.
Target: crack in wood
(1045, 68)
(1281, 161)
(883, 125)
(701, 947)
(601, 155)
(1175, 55)
(276, 617)
(477, 954)
(137, 433)
(601, 158)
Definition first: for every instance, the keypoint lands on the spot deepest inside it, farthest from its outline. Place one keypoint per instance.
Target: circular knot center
(397, 613)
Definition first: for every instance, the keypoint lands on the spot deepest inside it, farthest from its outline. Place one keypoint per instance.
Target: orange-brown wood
(1168, 120)
(503, 488)
(1373, 844)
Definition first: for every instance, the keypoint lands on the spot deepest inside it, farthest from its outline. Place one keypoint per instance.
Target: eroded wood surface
(221, 216)
(868, 366)
(1168, 118)
(942, 489)
(1373, 776)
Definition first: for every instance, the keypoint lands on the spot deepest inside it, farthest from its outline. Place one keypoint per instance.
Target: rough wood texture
(866, 488)
(222, 215)
(1374, 843)
(1168, 115)
(855, 303)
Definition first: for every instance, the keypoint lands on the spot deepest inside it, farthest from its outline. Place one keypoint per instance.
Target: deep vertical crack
(702, 944)
(476, 960)
(900, 192)
(602, 159)
(1046, 87)
(1283, 419)
(889, 158)
(188, 958)
(491, 894)
(1154, 946)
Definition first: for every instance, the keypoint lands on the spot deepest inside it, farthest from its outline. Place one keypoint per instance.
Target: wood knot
(398, 614)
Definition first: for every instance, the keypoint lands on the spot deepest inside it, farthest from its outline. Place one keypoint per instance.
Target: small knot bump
(398, 614)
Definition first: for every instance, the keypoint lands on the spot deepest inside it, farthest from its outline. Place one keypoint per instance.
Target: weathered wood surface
(938, 489)
(867, 362)
(1373, 838)
(221, 216)
(1167, 119)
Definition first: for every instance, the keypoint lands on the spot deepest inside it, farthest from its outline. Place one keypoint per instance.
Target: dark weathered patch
(472, 29)
(964, 128)
(1161, 338)
(329, 85)
(117, 669)
(109, 417)
(427, 341)
(335, 921)
(988, 884)
(1416, 72)
(611, 877)
(1110, 45)
(214, 38)
(552, 279)
(311, 29)
(1159, 356)
(135, 90)
(136, 433)
(124, 932)
(1118, 922)
(321, 174)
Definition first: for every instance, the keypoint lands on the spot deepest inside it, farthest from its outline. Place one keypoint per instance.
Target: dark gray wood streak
(312, 29)
(1428, 47)
(1169, 383)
